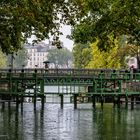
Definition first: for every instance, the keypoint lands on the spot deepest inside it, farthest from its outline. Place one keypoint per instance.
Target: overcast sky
(66, 30)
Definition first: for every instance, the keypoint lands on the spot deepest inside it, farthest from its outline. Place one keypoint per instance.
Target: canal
(84, 123)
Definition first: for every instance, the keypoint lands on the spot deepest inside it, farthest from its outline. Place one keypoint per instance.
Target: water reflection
(53, 123)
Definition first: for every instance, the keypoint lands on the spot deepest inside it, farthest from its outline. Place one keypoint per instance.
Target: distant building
(37, 54)
(132, 62)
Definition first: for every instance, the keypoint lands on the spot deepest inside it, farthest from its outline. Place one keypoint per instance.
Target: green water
(84, 123)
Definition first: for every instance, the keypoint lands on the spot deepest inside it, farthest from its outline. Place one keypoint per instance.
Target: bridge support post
(118, 101)
(126, 101)
(114, 101)
(132, 102)
(9, 105)
(75, 101)
(3, 105)
(102, 101)
(17, 102)
(34, 100)
(61, 100)
(35, 89)
(22, 100)
(93, 101)
(42, 102)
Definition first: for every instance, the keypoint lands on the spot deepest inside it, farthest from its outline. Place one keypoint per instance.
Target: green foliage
(128, 51)
(82, 55)
(90, 56)
(108, 17)
(19, 59)
(22, 18)
(3, 60)
(61, 58)
(104, 59)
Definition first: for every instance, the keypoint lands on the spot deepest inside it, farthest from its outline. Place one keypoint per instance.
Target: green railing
(101, 81)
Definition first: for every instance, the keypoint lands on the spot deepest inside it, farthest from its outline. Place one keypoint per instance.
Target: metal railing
(69, 72)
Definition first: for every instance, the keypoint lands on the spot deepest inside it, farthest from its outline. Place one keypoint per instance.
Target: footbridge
(17, 84)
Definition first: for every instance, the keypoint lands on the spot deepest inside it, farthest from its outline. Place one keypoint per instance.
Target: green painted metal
(30, 82)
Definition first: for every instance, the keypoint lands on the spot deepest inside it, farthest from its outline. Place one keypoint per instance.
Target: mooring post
(75, 101)
(132, 102)
(61, 100)
(93, 101)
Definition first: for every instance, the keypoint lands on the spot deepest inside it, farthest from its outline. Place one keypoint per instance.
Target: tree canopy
(82, 55)
(22, 18)
(108, 17)
(3, 60)
(60, 58)
(104, 59)
(90, 56)
(19, 59)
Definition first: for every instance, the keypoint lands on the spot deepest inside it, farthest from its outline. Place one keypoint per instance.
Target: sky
(66, 30)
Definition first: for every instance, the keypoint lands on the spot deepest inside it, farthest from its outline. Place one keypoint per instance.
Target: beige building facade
(37, 54)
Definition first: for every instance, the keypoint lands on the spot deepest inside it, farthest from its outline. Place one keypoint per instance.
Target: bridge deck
(96, 81)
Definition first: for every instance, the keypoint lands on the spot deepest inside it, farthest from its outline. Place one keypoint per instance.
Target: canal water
(84, 123)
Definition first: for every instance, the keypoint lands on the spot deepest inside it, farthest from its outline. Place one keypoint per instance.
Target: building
(132, 62)
(37, 54)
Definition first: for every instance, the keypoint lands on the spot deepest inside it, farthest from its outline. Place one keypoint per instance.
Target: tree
(60, 57)
(82, 55)
(128, 51)
(108, 17)
(19, 59)
(104, 59)
(122, 53)
(22, 18)
(2, 60)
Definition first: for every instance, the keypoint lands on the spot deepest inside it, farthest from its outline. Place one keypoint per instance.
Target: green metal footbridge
(16, 84)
